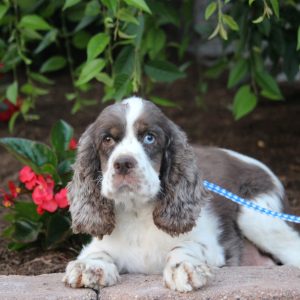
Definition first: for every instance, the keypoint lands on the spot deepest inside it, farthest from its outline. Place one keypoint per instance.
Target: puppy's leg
(94, 268)
(270, 234)
(189, 266)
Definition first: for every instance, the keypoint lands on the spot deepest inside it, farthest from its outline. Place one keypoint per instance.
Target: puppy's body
(138, 185)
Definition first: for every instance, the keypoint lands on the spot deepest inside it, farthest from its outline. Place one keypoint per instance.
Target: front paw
(185, 277)
(90, 273)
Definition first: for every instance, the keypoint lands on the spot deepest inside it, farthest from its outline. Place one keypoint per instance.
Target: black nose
(124, 164)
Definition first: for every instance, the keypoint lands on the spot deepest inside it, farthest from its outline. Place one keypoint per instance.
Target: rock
(276, 282)
(42, 287)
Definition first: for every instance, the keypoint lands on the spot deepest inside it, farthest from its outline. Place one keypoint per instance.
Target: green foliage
(117, 42)
(127, 45)
(29, 226)
(265, 38)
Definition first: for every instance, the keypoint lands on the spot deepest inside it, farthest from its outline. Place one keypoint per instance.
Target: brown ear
(182, 194)
(91, 212)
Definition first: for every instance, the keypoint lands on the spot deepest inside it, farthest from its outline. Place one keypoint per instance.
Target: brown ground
(270, 134)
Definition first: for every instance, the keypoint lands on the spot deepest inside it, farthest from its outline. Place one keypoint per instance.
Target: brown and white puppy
(137, 189)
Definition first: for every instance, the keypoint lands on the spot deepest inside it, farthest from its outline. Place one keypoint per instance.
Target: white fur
(137, 246)
(269, 234)
(147, 177)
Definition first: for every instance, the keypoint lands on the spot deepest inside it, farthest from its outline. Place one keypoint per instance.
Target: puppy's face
(131, 141)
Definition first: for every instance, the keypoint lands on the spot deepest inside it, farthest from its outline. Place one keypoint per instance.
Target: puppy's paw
(90, 273)
(185, 277)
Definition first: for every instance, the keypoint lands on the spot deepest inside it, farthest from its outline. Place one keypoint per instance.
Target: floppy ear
(91, 212)
(182, 194)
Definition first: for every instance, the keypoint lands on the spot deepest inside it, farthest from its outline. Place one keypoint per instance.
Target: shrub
(127, 45)
(38, 205)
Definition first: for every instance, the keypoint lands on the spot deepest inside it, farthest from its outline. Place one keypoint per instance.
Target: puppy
(137, 189)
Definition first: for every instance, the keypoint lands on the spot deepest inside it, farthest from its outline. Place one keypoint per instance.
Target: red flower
(7, 109)
(73, 144)
(61, 198)
(39, 210)
(42, 194)
(28, 177)
(14, 190)
(8, 198)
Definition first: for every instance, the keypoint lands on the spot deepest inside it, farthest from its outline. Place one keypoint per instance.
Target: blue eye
(149, 139)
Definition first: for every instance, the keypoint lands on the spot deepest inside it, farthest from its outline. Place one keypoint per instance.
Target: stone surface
(229, 283)
(42, 287)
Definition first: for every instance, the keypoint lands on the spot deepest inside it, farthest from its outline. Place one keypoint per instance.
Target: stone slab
(41, 287)
(230, 283)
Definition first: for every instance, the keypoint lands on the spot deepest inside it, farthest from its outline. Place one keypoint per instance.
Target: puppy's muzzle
(124, 164)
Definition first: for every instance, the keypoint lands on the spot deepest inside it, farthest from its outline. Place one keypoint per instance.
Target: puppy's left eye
(149, 139)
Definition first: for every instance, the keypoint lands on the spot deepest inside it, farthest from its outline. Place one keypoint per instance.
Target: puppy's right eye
(108, 140)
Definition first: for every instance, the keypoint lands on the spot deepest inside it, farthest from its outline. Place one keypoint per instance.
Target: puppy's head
(130, 156)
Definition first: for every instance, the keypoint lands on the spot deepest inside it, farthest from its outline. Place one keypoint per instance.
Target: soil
(271, 134)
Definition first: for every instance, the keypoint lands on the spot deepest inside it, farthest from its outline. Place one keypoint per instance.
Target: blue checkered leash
(249, 204)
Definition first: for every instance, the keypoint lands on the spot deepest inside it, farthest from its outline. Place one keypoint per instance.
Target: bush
(38, 205)
(127, 45)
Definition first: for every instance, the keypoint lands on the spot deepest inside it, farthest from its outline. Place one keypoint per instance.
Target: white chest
(137, 245)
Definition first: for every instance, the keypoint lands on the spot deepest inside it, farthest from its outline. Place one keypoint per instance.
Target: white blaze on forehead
(134, 109)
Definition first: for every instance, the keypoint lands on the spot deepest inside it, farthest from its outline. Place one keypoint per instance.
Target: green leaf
(244, 102)
(26, 210)
(90, 70)
(40, 78)
(210, 9)
(30, 89)
(12, 92)
(58, 230)
(124, 35)
(163, 102)
(250, 2)
(52, 64)
(97, 45)
(232, 24)
(270, 96)
(26, 231)
(124, 63)
(275, 6)
(29, 152)
(126, 16)
(70, 96)
(80, 39)
(12, 121)
(3, 10)
(298, 39)
(121, 86)
(268, 84)
(258, 20)
(61, 134)
(140, 4)
(47, 40)
(70, 3)
(104, 78)
(51, 170)
(92, 8)
(216, 70)
(237, 73)
(111, 4)
(34, 22)
(163, 71)
(155, 41)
